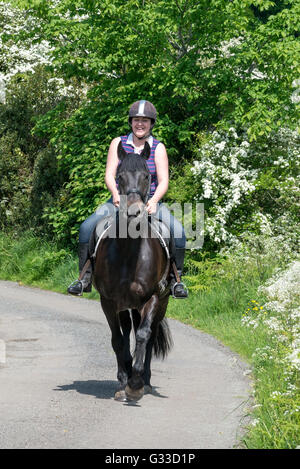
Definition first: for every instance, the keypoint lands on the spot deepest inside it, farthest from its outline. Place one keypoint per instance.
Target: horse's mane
(133, 162)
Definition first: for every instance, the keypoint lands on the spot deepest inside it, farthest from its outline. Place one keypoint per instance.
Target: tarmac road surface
(58, 378)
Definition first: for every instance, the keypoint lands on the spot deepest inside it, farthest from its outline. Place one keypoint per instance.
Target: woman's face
(141, 126)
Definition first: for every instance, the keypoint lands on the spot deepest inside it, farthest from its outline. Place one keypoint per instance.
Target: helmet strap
(141, 138)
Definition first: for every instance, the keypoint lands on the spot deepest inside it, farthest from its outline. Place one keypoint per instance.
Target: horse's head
(134, 179)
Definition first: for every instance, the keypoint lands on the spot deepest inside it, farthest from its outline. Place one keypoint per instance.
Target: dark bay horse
(127, 274)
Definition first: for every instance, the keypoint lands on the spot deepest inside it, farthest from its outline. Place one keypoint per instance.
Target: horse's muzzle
(135, 209)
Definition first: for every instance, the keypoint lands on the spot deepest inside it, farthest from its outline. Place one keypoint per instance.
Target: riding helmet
(142, 108)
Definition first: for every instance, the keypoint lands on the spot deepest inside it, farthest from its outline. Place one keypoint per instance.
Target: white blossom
(224, 168)
(22, 57)
(220, 167)
(280, 316)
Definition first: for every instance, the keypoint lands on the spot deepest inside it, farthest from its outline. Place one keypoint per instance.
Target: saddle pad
(103, 224)
(98, 232)
(163, 231)
(159, 230)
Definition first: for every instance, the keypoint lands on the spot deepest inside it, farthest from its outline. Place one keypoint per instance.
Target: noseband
(137, 191)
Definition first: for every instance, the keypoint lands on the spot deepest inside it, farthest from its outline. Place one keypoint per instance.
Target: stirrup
(178, 281)
(73, 284)
(173, 291)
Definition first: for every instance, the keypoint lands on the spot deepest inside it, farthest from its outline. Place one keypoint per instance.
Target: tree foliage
(203, 62)
(206, 65)
(29, 177)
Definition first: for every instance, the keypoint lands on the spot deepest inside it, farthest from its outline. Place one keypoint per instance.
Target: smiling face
(141, 126)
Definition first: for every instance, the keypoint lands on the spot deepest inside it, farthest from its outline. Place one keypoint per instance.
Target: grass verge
(227, 302)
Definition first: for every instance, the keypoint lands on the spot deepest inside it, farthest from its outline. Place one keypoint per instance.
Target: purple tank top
(150, 162)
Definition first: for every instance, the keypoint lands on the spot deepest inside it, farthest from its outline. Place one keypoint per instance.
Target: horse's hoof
(147, 389)
(120, 396)
(134, 394)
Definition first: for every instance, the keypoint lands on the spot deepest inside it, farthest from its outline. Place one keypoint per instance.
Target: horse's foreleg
(135, 388)
(117, 342)
(125, 322)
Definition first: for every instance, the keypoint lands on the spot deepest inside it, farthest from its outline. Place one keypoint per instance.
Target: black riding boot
(85, 284)
(178, 289)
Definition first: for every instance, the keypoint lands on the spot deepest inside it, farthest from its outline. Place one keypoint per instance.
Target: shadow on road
(100, 389)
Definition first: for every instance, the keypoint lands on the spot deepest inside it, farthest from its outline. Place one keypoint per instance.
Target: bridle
(144, 198)
(135, 190)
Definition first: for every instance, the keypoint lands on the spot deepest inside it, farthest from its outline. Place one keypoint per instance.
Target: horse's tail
(163, 341)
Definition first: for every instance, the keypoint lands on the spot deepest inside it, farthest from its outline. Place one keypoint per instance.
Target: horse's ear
(121, 152)
(146, 151)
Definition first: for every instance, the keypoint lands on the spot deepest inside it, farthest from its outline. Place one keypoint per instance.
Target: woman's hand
(116, 199)
(151, 206)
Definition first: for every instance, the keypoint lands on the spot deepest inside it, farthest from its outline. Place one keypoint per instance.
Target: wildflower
(280, 317)
(275, 394)
(254, 422)
(294, 358)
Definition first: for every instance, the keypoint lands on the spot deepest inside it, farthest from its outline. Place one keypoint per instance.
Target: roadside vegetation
(248, 299)
(224, 77)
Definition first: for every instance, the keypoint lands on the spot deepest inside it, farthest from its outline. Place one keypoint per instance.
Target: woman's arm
(111, 171)
(162, 171)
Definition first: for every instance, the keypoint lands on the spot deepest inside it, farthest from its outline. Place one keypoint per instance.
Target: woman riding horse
(131, 273)
(142, 117)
